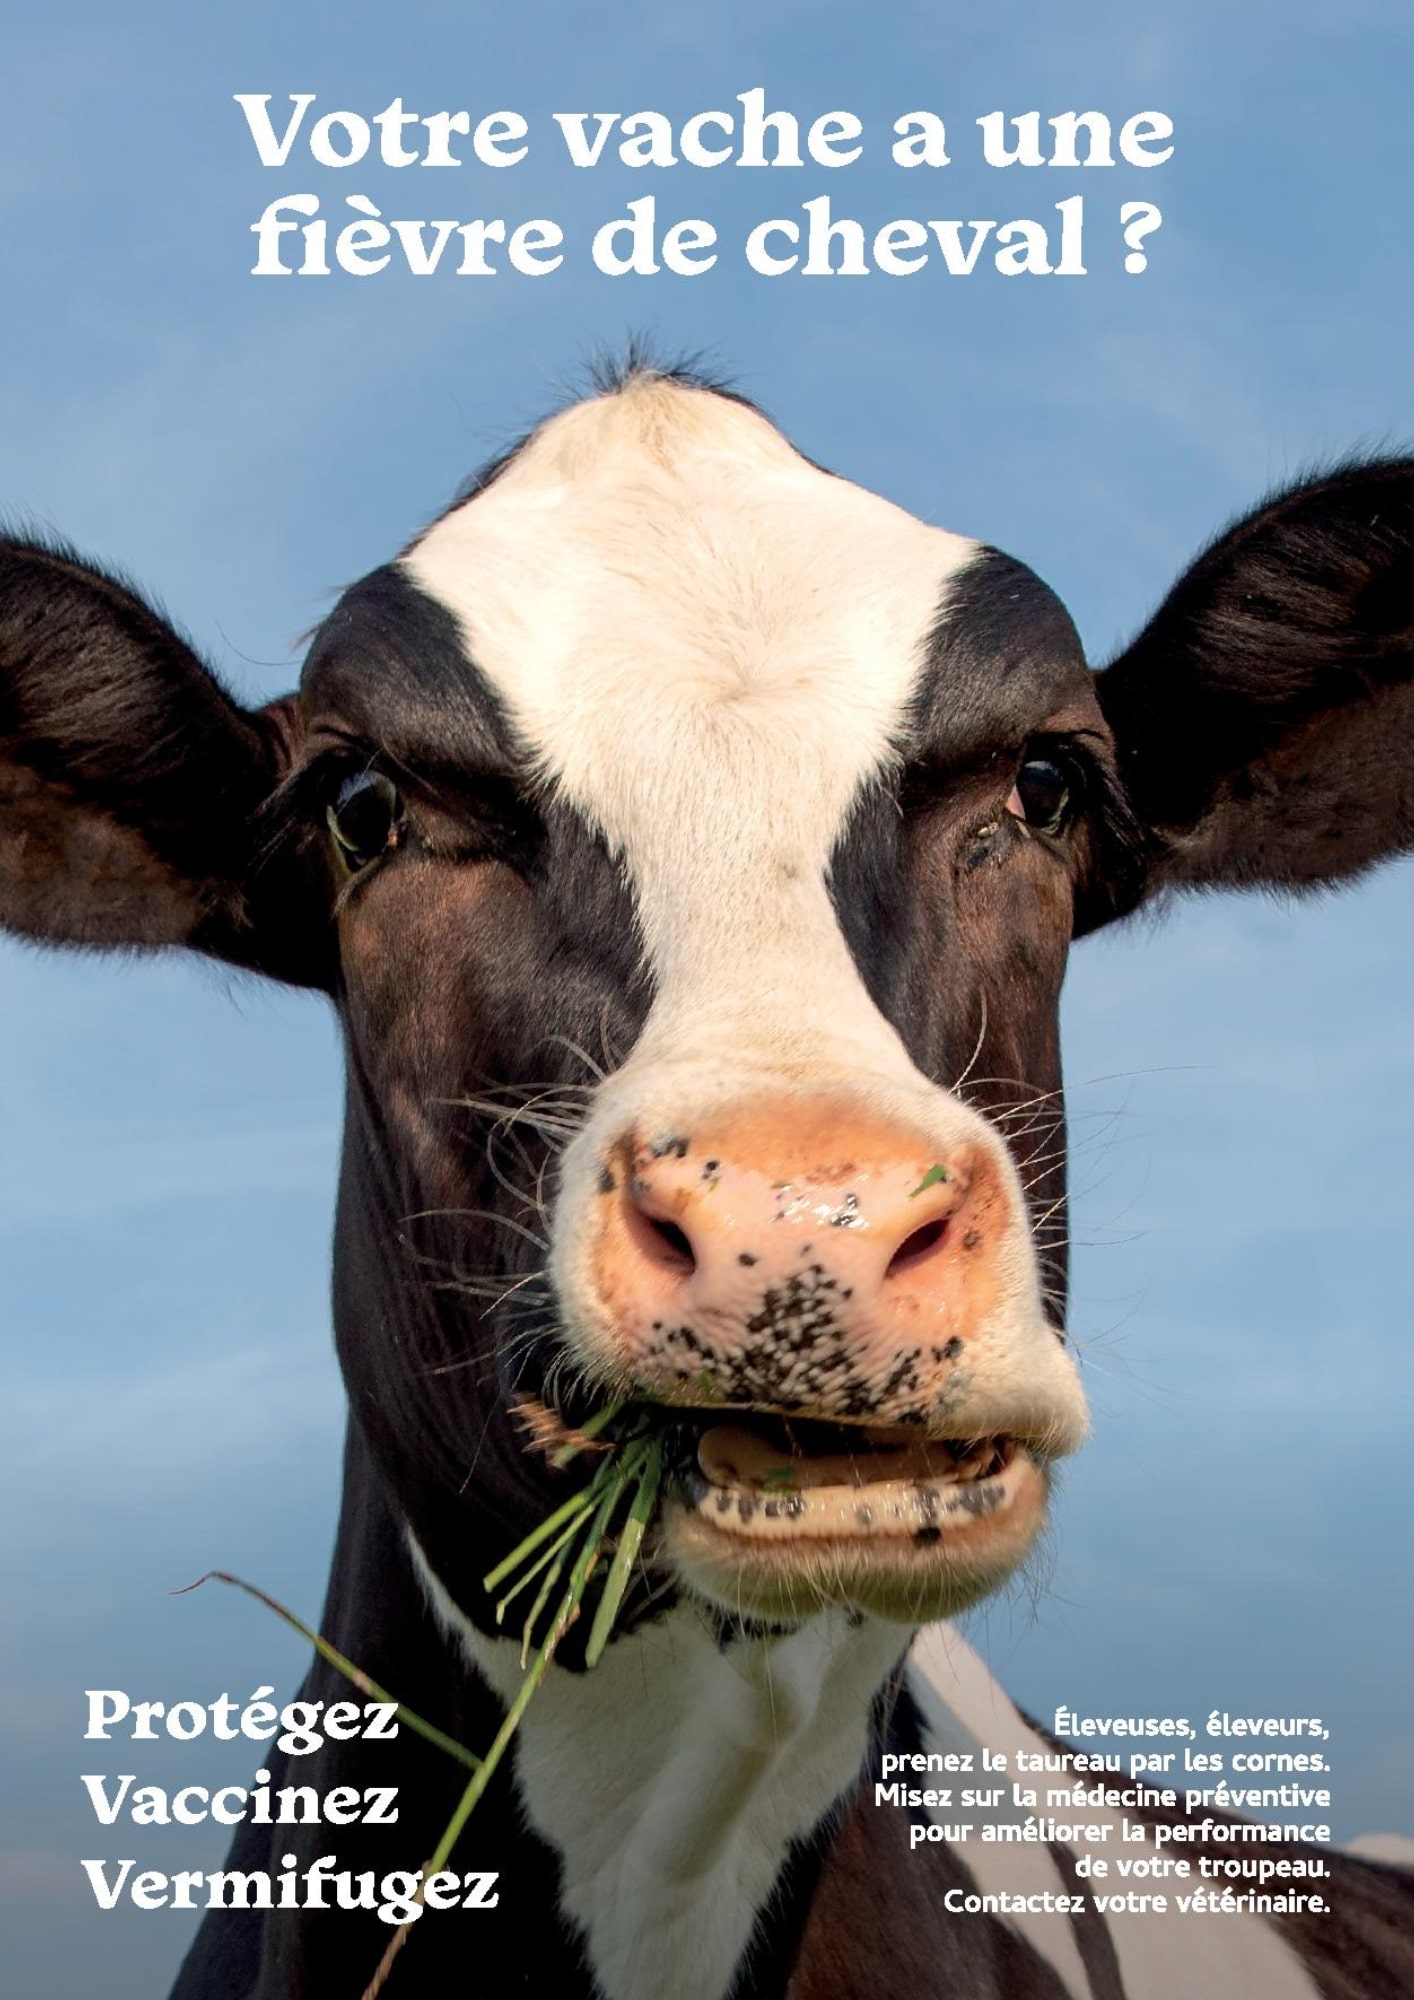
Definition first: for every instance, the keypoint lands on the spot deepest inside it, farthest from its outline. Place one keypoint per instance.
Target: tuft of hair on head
(607, 372)
(612, 371)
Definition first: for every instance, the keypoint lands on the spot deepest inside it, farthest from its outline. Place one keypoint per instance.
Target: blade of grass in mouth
(649, 1477)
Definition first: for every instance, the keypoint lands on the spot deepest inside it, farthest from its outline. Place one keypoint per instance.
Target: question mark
(1138, 218)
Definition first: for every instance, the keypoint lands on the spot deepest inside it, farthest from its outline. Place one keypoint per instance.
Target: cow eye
(365, 819)
(1045, 794)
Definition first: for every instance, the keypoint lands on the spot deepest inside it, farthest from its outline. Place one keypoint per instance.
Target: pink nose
(808, 1258)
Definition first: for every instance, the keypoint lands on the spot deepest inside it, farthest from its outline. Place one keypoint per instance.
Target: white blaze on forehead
(709, 645)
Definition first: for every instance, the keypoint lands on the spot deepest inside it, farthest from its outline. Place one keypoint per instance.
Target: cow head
(692, 843)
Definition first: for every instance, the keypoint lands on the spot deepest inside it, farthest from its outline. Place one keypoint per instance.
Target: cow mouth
(779, 1516)
(778, 1477)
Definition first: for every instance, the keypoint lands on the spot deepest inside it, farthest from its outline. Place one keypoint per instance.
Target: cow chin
(910, 1532)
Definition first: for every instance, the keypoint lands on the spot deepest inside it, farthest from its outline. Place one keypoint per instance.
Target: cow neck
(678, 1779)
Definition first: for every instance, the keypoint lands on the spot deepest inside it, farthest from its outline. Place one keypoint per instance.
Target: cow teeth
(742, 1458)
(742, 1489)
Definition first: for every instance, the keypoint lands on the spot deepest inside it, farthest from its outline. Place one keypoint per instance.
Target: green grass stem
(630, 1541)
(337, 1660)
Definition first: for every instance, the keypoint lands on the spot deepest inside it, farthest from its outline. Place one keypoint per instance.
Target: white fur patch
(672, 1779)
(709, 646)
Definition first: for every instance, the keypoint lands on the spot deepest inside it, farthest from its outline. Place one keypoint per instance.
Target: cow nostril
(660, 1241)
(673, 1239)
(916, 1247)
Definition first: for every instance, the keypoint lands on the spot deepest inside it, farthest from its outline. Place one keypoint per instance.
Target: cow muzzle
(842, 1314)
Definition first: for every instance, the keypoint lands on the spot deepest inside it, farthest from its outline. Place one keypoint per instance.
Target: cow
(691, 843)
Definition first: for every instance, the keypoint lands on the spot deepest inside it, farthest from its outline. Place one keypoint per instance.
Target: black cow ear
(1264, 718)
(133, 788)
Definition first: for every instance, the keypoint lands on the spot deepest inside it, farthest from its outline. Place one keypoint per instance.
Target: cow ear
(1264, 718)
(133, 789)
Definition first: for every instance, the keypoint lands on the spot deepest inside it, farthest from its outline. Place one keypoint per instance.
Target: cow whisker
(496, 1298)
(976, 1047)
(530, 1088)
(600, 1074)
(531, 1200)
(511, 1121)
(479, 1215)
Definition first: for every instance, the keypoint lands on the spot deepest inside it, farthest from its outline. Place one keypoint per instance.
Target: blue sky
(1241, 1074)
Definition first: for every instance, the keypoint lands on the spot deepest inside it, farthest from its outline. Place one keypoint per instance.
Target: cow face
(778, 857)
(693, 843)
